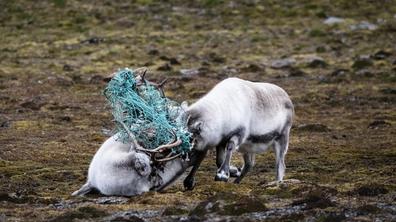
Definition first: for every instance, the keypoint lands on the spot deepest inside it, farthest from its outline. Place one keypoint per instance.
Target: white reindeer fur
(117, 169)
(258, 108)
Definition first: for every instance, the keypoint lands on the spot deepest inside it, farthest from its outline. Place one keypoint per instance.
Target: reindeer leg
(189, 181)
(220, 156)
(249, 159)
(281, 146)
(223, 173)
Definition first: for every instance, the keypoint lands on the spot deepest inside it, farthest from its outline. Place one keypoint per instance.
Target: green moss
(80, 213)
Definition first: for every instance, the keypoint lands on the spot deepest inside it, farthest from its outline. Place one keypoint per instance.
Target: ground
(55, 57)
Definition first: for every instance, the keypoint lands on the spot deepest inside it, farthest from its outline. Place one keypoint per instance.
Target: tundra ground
(55, 57)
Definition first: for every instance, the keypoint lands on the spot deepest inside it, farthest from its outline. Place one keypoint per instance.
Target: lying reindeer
(241, 115)
(124, 170)
(129, 169)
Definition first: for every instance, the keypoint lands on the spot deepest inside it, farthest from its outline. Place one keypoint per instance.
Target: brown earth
(55, 57)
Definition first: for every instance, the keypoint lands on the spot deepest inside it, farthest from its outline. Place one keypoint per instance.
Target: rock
(333, 20)
(228, 204)
(368, 209)
(315, 62)
(97, 79)
(382, 54)
(189, 72)
(133, 216)
(370, 190)
(362, 62)
(67, 68)
(213, 57)
(165, 67)
(174, 61)
(93, 40)
(364, 73)
(112, 200)
(364, 25)
(252, 68)
(283, 63)
(391, 91)
(153, 52)
(376, 124)
(295, 72)
(34, 103)
(80, 213)
(175, 211)
(315, 199)
(313, 127)
(4, 122)
(65, 118)
(60, 80)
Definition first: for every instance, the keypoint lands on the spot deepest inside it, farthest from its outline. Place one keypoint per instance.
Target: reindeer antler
(130, 134)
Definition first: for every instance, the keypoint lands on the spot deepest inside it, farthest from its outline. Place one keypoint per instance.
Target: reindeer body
(244, 115)
(118, 169)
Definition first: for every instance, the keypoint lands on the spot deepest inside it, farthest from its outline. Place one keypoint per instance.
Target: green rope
(148, 115)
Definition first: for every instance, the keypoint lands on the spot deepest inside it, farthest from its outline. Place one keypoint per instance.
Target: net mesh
(150, 116)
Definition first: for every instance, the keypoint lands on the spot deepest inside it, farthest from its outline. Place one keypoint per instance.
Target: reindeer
(126, 170)
(240, 115)
(129, 169)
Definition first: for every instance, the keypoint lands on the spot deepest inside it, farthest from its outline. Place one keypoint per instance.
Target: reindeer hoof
(221, 176)
(189, 183)
(235, 171)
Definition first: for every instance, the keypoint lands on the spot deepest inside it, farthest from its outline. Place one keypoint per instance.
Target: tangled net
(141, 109)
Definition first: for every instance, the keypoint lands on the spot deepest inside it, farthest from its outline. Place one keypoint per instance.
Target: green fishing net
(149, 115)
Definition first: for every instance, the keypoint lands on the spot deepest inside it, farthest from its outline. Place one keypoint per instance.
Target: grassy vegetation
(55, 55)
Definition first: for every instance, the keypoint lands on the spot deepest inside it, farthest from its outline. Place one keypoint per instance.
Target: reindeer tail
(86, 188)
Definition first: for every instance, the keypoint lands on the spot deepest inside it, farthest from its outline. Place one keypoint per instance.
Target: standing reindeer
(240, 115)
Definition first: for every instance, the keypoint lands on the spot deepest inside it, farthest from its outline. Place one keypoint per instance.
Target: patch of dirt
(57, 55)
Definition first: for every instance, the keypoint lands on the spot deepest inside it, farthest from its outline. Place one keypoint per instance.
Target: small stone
(67, 68)
(382, 54)
(283, 63)
(313, 127)
(61, 80)
(339, 72)
(316, 62)
(5, 124)
(96, 79)
(362, 62)
(364, 25)
(333, 20)
(93, 40)
(364, 73)
(252, 68)
(388, 91)
(65, 118)
(175, 211)
(165, 67)
(295, 72)
(376, 124)
(153, 52)
(371, 190)
(112, 200)
(189, 72)
(213, 57)
(174, 61)
(34, 103)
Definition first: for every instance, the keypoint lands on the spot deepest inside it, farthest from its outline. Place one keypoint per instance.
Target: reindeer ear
(184, 105)
(142, 164)
(196, 127)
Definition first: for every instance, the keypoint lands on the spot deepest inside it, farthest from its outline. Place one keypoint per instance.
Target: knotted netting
(150, 116)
